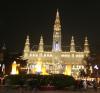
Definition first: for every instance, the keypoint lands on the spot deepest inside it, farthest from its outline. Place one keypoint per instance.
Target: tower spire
(41, 44)
(72, 45)
(57, 34)
(57, 14)
(86, 46)
(57, 26)
(27, 47)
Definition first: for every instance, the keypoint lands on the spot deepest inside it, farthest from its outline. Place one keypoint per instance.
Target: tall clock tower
(56, 48)
(57, 34)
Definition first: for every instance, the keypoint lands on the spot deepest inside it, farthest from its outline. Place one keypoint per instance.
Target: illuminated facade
(55, 61)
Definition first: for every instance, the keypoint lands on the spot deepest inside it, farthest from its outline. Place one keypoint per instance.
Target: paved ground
(9, 90)
(59, 91)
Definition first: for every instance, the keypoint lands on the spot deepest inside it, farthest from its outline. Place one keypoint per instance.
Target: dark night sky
(35, 18)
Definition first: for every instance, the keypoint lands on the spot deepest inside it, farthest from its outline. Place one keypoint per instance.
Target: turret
(4, 47)
(3, 52)
(41, 49)
(57, 34)
(26, 48)
(72, 45)
(86, 47)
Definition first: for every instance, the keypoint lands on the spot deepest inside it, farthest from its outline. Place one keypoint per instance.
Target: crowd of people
(84, 84)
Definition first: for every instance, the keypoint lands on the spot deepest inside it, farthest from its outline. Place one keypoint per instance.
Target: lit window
(72, 55)
(76, 55)
(30, 55)
(47, 55)
(44, 55)
(50, 55)
(36, 55)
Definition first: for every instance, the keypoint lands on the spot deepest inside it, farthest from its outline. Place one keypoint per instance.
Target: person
(95, 85)
(85, 84)
(36, 85)
(81, 84)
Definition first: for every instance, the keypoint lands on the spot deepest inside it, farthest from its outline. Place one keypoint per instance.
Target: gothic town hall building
(55, 61)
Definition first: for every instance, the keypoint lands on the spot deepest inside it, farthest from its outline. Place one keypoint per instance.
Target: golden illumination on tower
(41, 45)
(72, 45)
(57, 26)
(14, 68)
(86, 46)
(26, 48)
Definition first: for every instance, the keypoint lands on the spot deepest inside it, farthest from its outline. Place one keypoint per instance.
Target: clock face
(57, 46)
